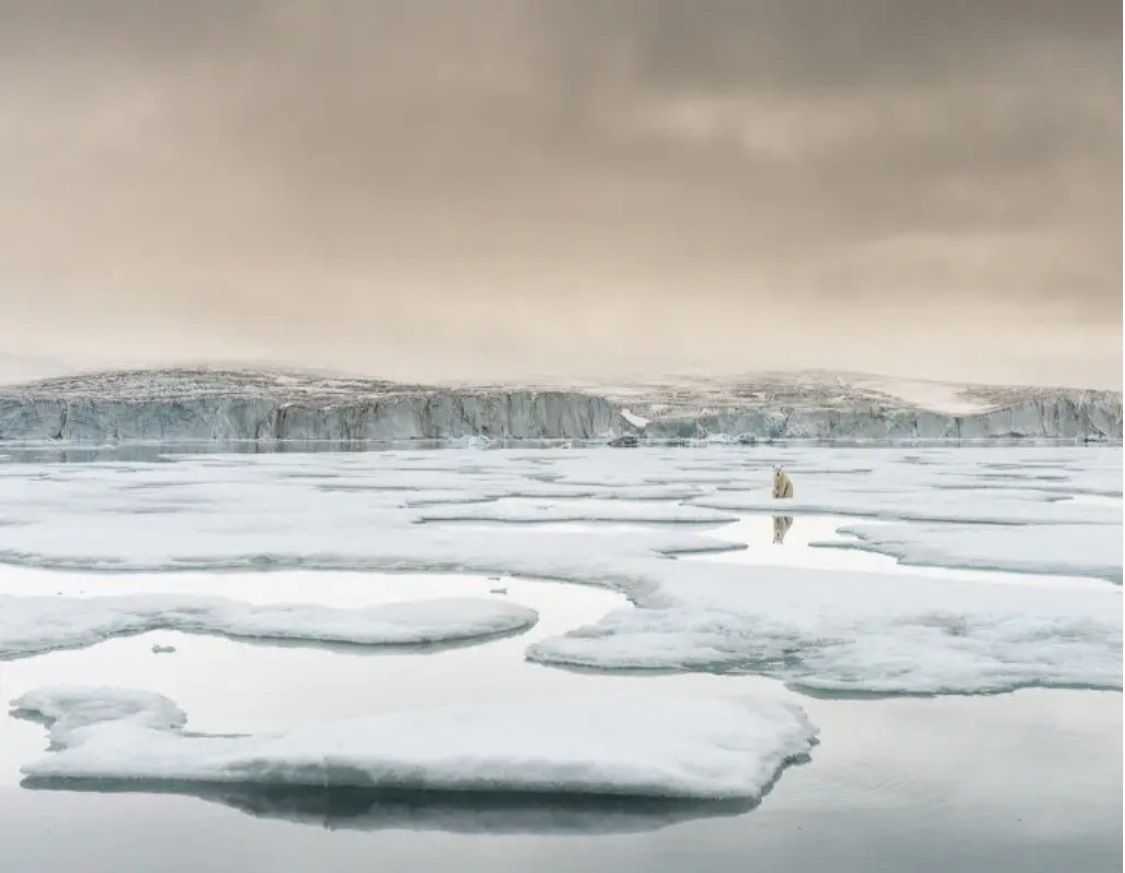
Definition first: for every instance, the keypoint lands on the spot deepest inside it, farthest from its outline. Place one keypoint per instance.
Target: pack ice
(639, 746)
(1034, 509)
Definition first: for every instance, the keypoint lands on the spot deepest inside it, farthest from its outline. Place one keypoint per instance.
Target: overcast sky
(484, 189)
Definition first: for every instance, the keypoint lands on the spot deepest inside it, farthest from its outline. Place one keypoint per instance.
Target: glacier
(633, 746)
(277, 406)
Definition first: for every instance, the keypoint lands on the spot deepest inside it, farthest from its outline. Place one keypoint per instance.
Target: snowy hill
(268, 405)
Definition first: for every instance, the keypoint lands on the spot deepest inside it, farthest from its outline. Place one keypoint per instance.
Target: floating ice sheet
(527, 512)
(855, 632)
(1066, 549)
(1001, 507)
(30, 625)
(636, 746)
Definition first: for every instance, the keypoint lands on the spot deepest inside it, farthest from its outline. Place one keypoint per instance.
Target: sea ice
(67, 709)
(1065, 549)
(31, 625)
(358, 510)
(930, 504)
(894, 633)
(528, 512)
(641, 746)
(858, 632)
(158, 543)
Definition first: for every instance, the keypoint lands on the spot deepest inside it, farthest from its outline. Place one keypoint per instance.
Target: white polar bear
(782, 485)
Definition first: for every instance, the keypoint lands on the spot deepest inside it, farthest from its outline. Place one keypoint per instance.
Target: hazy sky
(486, 189)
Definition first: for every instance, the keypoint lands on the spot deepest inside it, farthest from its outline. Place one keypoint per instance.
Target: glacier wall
(522, 415)
(1068, 415)
(185, 405)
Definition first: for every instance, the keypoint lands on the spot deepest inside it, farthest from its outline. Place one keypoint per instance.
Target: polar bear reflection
(781, 525)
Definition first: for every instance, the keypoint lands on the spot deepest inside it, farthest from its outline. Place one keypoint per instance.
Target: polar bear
(782, 485)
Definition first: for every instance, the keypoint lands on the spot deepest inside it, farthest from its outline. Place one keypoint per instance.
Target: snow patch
(943, 397)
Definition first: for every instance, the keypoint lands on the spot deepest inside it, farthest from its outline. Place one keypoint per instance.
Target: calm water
(1027, 781)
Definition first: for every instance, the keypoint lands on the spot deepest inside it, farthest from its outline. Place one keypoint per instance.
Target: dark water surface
(1029, 781)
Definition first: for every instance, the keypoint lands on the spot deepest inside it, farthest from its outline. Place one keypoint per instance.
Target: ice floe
(1066, 550)
(925, 505)
(30, 625)
(525, 512)
(636, 746)
(574, 555)
(858, 632)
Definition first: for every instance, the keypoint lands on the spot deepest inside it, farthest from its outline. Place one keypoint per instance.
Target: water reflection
(781, 525)
(461, 812)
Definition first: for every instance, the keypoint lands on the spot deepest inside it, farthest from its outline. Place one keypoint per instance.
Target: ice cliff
(200, 404)
(233, 405)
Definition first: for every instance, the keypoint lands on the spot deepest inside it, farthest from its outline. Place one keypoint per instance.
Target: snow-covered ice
(843, 498)
(636, 746)
(525, 512)
(1071, 550)
(30, 625)
(67, 709)
(858, 632)
(1031, 509)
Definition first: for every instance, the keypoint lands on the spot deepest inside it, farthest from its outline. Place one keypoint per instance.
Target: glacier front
(270, 406)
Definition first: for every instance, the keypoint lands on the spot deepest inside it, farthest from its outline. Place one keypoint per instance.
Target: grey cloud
(454, 187)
